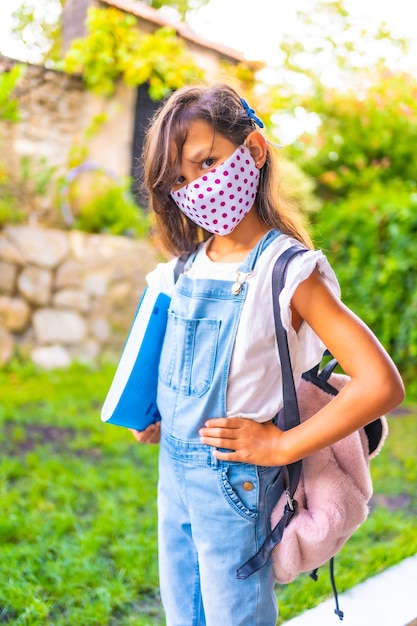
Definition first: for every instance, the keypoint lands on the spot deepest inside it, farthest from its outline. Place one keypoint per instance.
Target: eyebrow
(199, 155)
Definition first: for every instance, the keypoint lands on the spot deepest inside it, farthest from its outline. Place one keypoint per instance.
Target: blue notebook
(131, 399)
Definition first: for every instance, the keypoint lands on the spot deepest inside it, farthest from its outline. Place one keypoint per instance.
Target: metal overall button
(247, 485)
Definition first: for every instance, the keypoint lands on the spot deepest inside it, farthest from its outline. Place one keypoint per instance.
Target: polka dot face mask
(220, 199)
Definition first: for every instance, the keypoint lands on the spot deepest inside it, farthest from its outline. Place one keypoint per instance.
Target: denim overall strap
(249, 263)
(202, 323)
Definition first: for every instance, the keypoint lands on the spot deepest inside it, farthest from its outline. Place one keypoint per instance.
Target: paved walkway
(388, 599)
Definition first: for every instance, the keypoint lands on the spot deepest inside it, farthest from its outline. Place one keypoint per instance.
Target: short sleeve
(306, 347)
(162, 277)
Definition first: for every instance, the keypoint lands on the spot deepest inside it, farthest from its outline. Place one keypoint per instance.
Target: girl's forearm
(356, 405)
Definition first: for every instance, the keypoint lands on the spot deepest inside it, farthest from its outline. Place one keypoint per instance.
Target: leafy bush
(115, 48)
(367, 134)
(9, 108)
(9, 112)
(371, 241)
(9, 213)
(95, 200)
(113, 211)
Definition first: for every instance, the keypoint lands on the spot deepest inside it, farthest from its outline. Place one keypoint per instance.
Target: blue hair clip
(251, 113)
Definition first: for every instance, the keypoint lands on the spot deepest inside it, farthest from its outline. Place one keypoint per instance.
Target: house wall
(56, 111)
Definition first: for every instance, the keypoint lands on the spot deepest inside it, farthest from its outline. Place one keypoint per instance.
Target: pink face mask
(220, 199)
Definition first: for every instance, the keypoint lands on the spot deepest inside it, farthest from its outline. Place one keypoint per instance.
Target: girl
(213, 186)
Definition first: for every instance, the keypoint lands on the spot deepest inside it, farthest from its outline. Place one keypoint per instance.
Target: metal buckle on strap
(241, 278)
(290, 501)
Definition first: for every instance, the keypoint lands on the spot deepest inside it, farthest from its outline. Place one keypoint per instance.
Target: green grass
(78, 511)
(78, 523)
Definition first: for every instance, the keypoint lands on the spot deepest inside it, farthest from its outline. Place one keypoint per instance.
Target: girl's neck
(236, 246)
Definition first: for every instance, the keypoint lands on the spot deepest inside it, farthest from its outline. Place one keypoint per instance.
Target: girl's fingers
(224, 422)
(208, 435)
(151, 434)
(220, 442)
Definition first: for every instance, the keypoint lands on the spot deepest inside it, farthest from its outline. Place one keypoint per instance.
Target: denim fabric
(213, 515)
(202, 322)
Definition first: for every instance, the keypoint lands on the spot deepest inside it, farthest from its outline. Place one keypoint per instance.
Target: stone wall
(57, 115)
(68, 296)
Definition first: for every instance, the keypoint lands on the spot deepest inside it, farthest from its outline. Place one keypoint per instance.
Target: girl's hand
(151, 434)
(247, 441)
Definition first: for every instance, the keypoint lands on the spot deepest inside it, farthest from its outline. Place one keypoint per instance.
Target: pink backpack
(327, 494)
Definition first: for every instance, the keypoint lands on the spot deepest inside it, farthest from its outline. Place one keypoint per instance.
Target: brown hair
(220, 106)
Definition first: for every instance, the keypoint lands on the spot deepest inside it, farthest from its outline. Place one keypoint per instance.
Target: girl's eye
(179, 181)
(208, 163)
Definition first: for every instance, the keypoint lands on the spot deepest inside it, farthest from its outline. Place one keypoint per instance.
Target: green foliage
(362, 157)
(23, 188)
(39, 25)
(371, 240)
(361, 113)
(79, 151)
(367, 134)
(9, 106)
(8, 205)
(113, 211)
(19, 187)
(78, 529)
(9, 212)
(115, 48)
(297, 187)
(36, 175)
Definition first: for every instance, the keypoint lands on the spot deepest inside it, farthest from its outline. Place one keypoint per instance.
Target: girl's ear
(256, 143)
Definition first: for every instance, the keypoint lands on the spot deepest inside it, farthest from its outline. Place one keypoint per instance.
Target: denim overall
(213, 515)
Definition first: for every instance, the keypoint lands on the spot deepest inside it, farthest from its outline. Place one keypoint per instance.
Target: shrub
(113, 211)
(371, 242)
(95, 200)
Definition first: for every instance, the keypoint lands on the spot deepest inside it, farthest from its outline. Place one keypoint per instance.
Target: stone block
(9, 252)
(119, 294)
(62, 327)
(8, 273)
(96, 284)
(71, 299)
(14, 313)
(35, 285)
(7, 345)
(40, 246)
(50, 357)
(100, 329)
(68, 274)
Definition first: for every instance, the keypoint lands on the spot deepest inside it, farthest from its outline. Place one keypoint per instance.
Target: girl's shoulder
(162, 277)
(300, 266)
(299, 269)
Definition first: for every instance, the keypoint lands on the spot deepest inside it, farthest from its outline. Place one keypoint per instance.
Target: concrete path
(388, 599)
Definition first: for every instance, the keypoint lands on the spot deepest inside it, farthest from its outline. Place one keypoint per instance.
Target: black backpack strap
(182, 262)
(291, 418)
(179, 265)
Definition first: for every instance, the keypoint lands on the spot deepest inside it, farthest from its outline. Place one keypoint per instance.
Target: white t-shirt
(254, 387)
